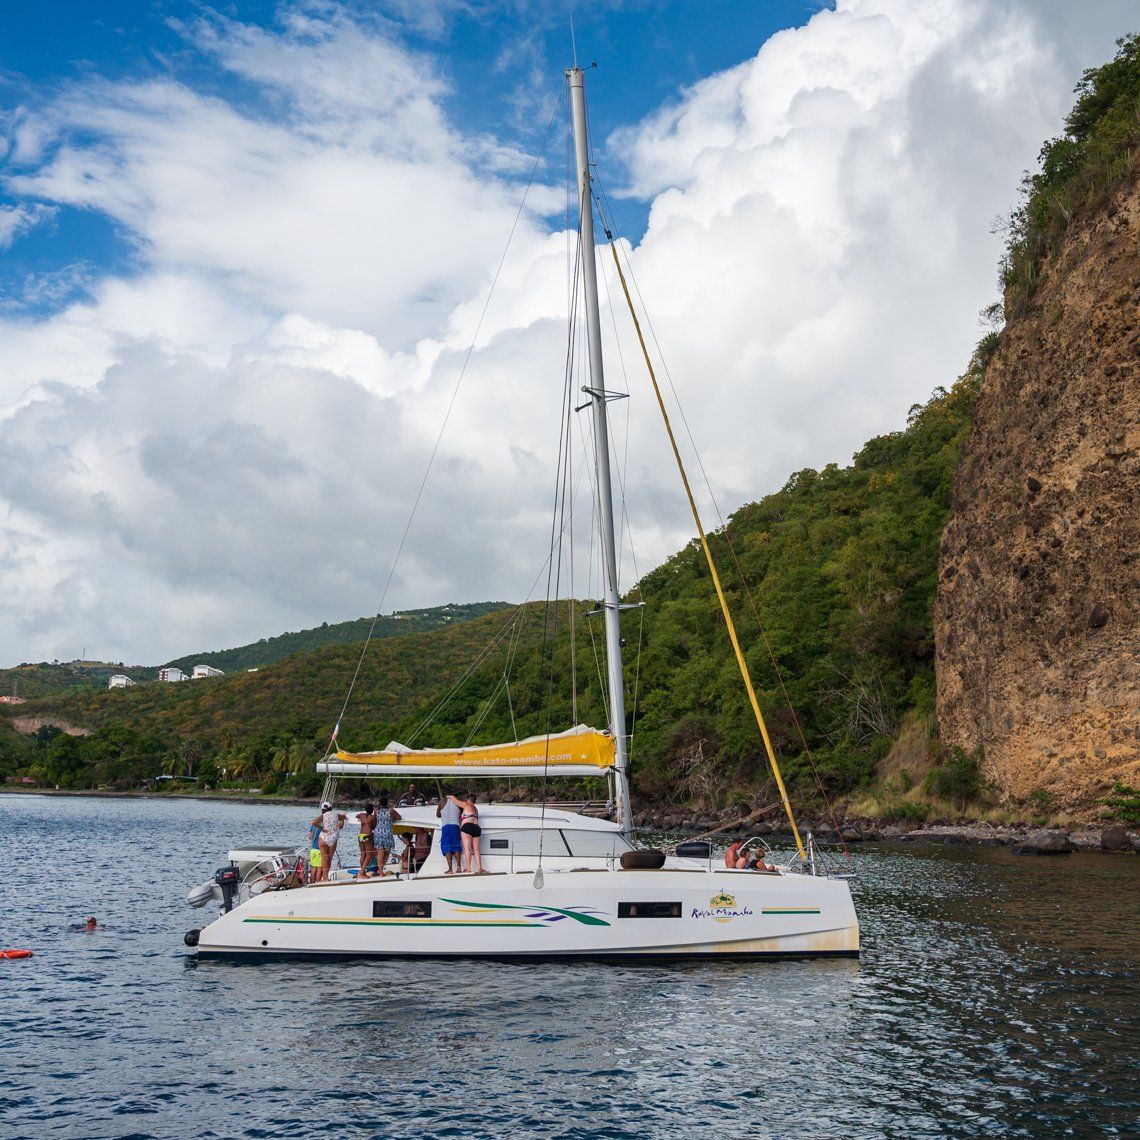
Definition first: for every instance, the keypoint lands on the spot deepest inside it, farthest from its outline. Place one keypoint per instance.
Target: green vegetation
(957, 778)
(1077, 171)
(270, 649)
(266, 728)
(1124, 803)
(842, 566)
(29, 681)
(32, 681)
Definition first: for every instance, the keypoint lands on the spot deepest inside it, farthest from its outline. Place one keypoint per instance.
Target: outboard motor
(227, 879)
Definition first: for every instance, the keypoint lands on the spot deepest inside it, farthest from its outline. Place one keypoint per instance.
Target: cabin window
(524, 843)
(595, 844)
(402, 909)
(649, 910)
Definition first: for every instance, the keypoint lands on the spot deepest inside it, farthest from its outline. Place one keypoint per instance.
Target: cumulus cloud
(820, 234)
(226, 442)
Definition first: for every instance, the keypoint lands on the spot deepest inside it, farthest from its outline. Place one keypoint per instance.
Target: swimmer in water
(91, 924)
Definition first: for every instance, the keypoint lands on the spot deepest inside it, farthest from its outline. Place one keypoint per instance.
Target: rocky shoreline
(1022, 838)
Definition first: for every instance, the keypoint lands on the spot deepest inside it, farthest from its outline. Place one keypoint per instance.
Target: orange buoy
(15, 953)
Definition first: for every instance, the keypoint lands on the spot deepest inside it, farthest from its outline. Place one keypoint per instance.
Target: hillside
(270, 649)
(29, 681)
(842, 563)
(1039, 597)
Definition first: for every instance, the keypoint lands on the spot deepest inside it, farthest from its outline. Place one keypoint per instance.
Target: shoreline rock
(1024, 839)
(1049, 841)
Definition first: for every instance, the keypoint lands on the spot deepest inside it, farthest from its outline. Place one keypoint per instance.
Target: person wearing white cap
(330, 822)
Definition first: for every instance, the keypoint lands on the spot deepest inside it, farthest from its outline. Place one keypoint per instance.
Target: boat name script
(722, 908)
(721, 913)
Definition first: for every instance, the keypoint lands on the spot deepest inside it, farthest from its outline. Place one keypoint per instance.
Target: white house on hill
(172, 673)
(205, 671)
(120, 681)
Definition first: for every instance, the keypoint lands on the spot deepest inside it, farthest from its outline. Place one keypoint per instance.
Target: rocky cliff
(1036, 618)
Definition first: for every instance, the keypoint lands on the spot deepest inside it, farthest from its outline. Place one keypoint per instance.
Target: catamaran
(556, 883)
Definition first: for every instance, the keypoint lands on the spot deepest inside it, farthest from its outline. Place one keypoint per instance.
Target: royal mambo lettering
(722, 912)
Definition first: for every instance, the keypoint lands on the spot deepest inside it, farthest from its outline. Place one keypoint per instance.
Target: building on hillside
(120, 681)
(172, 673)
(205, 671)
(12, 700)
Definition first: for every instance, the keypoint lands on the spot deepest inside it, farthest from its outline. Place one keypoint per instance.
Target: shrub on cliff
(1124, 803)
(1078, 169)
(957, 778)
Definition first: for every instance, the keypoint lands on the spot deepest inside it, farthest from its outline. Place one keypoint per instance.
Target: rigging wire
(442, 428)
(554, 568)
(607, 212)
(482, 656)
(513, 631)
(711, 564)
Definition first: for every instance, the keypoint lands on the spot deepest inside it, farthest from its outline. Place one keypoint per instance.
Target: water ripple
(996, 996)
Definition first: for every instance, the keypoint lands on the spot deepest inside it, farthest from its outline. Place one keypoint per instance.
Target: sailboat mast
(598, 398)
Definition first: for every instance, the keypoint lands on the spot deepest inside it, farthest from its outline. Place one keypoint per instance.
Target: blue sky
(501, 63)
(244, 250)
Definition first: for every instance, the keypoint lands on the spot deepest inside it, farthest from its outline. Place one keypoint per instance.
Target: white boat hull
(593, 913)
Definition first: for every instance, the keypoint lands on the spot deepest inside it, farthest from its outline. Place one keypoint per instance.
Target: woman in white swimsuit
(330, 822)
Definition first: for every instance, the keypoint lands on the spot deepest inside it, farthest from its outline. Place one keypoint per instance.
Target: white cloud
(15, 221)
(226, 443)
(820, 237)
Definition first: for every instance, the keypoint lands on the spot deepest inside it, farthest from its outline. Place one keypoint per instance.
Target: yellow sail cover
(580, 751)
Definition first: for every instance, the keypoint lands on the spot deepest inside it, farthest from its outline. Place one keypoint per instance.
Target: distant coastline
(112, 794)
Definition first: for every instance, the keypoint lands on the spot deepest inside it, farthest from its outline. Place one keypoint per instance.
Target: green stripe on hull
(512, 923)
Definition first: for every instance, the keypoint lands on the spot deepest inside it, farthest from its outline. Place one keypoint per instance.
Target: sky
(246, 250)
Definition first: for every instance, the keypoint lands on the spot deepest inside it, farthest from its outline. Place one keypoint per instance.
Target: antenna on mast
(573, 40)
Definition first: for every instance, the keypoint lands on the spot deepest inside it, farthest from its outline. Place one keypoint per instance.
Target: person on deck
(449, 810)
(421, 847)
(383, 837)
(732, 857)
(411, 798)
(330, 822)
(314, 853)
(366, 817)
(469, 835)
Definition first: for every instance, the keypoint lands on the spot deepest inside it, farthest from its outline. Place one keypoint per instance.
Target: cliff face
(1038, 604)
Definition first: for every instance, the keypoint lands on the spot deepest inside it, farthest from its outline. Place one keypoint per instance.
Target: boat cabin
(513, 838)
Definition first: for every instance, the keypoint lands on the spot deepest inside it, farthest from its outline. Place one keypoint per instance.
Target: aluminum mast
(599, 398)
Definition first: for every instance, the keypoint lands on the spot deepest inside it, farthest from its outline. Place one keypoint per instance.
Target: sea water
(996, 995)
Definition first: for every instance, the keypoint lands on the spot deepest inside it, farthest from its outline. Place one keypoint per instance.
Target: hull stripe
(278, 920)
